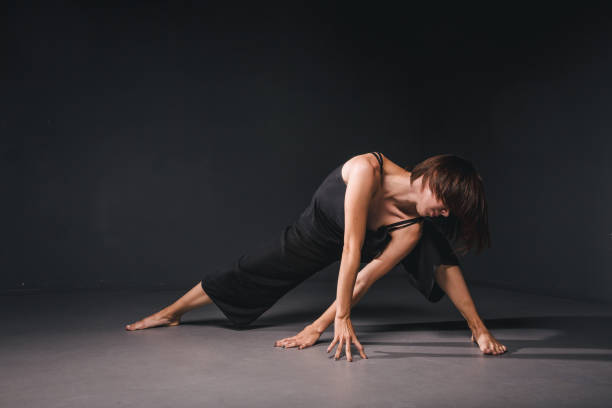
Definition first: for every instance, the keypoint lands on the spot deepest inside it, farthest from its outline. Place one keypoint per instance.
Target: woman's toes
(136, 325)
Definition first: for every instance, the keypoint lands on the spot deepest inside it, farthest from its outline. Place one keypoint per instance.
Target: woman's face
(430, 206)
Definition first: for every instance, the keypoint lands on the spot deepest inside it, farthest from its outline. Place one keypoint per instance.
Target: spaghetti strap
(402, 223)
(379, 158)
(380, 162)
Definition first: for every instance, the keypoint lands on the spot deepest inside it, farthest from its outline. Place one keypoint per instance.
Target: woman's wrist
(318, 327)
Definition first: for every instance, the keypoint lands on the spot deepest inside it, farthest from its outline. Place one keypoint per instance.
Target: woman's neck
(398, 190)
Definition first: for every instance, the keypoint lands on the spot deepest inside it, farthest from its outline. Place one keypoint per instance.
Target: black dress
(251, 284)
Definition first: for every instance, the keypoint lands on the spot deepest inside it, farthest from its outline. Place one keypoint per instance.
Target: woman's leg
(171, 315)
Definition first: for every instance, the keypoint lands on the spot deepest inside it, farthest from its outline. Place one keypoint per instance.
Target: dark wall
(537, 124)
(152, 142)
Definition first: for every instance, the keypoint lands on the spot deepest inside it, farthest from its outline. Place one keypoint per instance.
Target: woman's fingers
(305, 344)
(347, 346)
(290, 342)
(340, 341)
(360, 348)
(349, 356)
(339, 349)
(331, 346)
(279, 343)
(282, 342)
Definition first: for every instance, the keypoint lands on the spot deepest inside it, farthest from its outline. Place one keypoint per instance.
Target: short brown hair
(454, 181)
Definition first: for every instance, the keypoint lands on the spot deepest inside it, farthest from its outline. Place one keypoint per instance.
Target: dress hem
(235, 323)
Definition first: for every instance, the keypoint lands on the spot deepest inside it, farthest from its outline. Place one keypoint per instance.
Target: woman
(353, 217)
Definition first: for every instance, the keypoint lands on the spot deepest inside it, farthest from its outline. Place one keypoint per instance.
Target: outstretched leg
(171, 315)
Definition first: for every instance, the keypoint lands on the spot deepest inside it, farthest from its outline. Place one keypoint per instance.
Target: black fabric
(250, 285)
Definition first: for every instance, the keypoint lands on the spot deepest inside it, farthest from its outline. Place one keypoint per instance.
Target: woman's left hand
(344, 334)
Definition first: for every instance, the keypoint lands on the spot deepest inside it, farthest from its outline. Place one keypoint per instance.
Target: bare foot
(160, 318)
(487, 343)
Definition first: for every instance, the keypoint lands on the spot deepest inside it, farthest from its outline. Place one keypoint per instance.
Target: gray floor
(70, 350)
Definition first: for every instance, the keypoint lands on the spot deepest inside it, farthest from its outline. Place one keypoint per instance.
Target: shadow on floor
(589, 334)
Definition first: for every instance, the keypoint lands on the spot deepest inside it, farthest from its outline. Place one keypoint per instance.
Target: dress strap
(380, 161)
(402, 223)
(379, 158)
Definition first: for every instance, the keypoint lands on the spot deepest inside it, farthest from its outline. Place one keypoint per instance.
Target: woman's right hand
(303, 339)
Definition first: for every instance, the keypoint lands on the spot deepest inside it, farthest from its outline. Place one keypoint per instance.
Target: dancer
(353, 217)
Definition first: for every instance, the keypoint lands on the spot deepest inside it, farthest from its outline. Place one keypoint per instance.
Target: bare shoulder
(361, 161)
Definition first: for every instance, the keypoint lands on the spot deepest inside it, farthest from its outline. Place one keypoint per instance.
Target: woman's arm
(450, 279)
(400, 246)
(362, 284)
(349, 264)
(402, 243)
(327, 318)
(360, 187)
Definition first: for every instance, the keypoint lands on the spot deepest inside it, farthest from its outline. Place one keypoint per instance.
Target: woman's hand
(303, 339)
(344, 334)
(487, 343)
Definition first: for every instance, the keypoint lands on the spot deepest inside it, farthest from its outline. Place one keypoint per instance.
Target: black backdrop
(146, 142)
